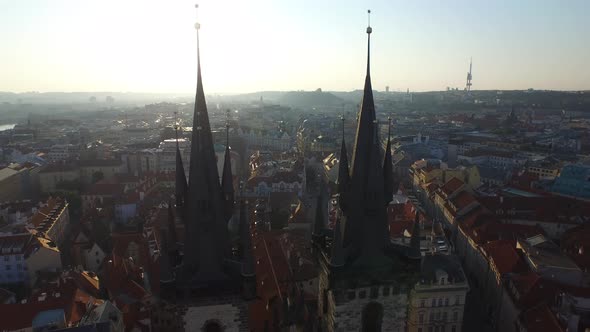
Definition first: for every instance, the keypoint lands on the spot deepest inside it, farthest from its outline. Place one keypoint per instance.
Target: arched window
(212, 326)
(372, 317)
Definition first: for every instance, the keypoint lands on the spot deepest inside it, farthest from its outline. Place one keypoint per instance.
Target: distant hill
(570, 100)
(88, 97)
(356, 95)
(273, 96)
(306, 99)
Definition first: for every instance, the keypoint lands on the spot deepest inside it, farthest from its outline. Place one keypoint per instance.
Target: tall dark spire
(376, 234)
(365, 132)
(166, 275)
(227, 185)
(343, 171)
(207, 238)
(318, 223)
(374, 194)
(415, 239)
(369, 31)
(365, 218)
(246, 243)
(389, 186)
(248, 269)
(172, 236)
(181, 186)
(337, 257)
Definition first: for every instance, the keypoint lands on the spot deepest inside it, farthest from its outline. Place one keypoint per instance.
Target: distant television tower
(469, 77)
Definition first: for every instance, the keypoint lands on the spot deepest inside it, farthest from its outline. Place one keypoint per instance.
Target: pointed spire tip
(369, 29)
(197, 24)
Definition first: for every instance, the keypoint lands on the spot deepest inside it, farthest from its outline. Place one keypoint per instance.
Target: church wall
(230, 312)
(348, 312)
(344, 311)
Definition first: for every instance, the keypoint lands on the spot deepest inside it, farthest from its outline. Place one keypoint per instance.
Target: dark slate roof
(448, 263)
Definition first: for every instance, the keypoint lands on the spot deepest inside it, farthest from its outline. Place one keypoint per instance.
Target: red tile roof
(401, 217)
(451, 186)
(69, 298)
(541, 318)
(503, 255)
(430, 187)
(498, 231)
(45, 212)
(121, 242)
(529, 289)
(462, 200)
(544, 208)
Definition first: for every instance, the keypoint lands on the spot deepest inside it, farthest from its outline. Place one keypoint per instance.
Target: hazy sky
(253, 45)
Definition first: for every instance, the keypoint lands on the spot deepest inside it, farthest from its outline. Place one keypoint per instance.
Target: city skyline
(263, 45)
(282, 211)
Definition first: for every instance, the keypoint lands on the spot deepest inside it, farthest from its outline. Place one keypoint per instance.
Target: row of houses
(513, 247)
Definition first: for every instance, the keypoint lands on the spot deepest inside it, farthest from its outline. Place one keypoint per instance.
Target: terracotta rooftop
(540, 318)
(430, 187)
(543, 208)
(462, 200)
(70, 298)
(483, 227)
(451, 186)
(504, 256)
(528, 289)
(46, 215)
(121, 242)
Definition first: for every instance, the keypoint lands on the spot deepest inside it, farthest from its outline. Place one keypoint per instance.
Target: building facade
(13, 267)
(437, 302)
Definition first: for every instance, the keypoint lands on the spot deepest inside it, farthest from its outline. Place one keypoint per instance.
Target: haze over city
(148, 46)
(274, 166)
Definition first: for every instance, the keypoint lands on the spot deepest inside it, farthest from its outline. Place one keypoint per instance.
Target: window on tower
(212, 326)
(372, 317)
